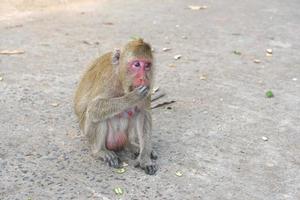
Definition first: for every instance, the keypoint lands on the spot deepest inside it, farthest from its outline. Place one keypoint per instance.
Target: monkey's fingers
(112, 159)
(143, 90)
(150, 169)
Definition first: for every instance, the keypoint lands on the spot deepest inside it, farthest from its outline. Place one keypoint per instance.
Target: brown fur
(103, 97)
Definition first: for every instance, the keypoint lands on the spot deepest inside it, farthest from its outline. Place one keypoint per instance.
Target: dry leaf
(172, 65)
(108, 23)
(197, 7)
(120, 170)
(256, 61)
(179, 173)
(295, 79)
(54, 104)
(270, 51)
(166, 49)
(203, 77)
(118, 191)
(1, 78)
(177, 57)
(11, 52)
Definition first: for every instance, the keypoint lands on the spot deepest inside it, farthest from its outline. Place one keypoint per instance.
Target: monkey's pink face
(140, 69)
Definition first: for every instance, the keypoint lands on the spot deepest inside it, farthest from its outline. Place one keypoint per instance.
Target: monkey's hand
(143, 91)
(139, 93)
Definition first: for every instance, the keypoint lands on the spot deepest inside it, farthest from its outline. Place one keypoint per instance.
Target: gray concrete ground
(212, 134)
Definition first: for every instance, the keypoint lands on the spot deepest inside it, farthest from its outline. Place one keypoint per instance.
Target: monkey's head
(134, 62)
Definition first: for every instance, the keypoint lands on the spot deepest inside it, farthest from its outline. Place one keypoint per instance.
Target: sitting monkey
(112, 103)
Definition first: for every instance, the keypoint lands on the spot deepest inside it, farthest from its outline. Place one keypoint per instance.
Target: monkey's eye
(136, 64)
(148, 66)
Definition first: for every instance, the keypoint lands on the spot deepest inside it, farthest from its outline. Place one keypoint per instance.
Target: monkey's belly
(116, 141)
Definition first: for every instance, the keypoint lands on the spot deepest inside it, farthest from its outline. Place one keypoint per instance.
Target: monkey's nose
(142, 81)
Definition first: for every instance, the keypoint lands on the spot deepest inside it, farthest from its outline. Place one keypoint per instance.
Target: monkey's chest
(128, 114)
(118, 126)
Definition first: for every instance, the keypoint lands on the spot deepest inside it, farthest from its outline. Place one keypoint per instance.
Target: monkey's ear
(116, 56)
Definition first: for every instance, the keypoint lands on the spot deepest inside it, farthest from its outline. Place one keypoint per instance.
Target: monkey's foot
(112, 159)
(148, 168)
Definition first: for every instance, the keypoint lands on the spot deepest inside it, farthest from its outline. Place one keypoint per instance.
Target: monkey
(113, 105)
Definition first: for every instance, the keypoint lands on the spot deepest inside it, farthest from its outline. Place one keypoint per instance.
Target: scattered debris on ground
(265, 138)
(269, 94)
(12, 52)
(178, 173)
(118, 191)
(237, 52)
(177, 57)
(193, 7)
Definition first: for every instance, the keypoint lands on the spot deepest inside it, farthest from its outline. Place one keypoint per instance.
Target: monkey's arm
(102, 108)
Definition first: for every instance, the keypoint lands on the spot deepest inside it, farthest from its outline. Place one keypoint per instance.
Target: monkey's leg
(135, 150)
(133, 144)
(144, 126)
(96, 134)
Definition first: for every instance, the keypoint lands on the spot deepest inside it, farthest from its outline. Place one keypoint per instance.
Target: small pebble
(270, 51)
(256, 61)
(177, 57)
(264, 138)
(295, 79)
(54, 104)
(166, 49)
(237, 52)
